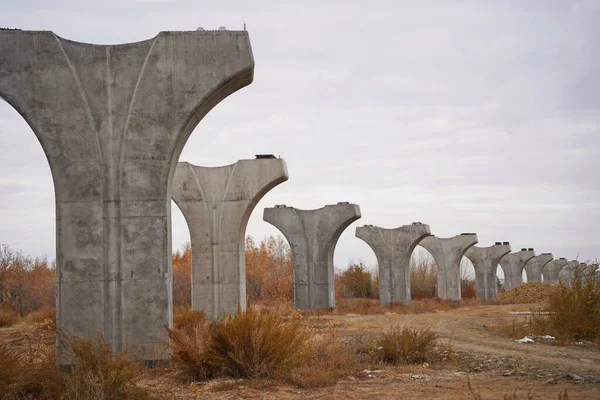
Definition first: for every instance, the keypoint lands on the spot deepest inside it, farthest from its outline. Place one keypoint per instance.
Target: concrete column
(512, 264)
(565, 274)
(393, 248)
(312, 235)
(448, 253)
(112, 121)
(550, 271)
(535, 266)
(485, 261)
(590, 269)
(217, 203)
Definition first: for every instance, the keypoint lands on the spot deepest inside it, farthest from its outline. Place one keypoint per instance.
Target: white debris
(548, 337)
(526, 339)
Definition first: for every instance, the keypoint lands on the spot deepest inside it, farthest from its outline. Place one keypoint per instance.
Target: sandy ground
(495, 364)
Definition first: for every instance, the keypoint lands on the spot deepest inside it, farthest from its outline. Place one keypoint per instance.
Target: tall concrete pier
(448, 253)
(312, 235)
(393, 248)
(485, 262)
(565, 274)
(217, 203)
(513, 264)
(535, 266)
(550, 271)
(112, 121)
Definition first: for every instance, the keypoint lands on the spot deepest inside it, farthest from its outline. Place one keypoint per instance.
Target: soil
(487, 357)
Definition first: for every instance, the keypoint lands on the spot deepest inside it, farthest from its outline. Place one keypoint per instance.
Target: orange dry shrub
(182, 279)
(355, 282)
(269, 269)
(423, 276)
(26, 284)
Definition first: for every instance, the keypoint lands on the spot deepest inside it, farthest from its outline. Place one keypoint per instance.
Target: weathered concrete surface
(217, 203)
(485, 262)
(535, 266)
(112, 121)
(448, 253)
(565, 274)
(512, 264)
(550, 271)
(312, 235)
(393, 249)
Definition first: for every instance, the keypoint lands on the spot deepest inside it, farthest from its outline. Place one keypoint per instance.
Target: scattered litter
(526, 339)
(547, 337)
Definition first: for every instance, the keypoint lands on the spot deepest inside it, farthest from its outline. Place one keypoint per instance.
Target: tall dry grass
(574, 311)
(252, 344)
(96, 373)
(406, 345)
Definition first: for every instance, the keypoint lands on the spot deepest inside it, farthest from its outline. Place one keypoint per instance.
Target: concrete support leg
(485, 262)
(550, 271)
(217, 203)
(112, 121)
(393, 248)
(565, 274)
(448, 253)
(535, 266)
(512, 264)
(312, 235)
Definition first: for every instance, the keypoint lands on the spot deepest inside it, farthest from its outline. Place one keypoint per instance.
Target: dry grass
(251, 344)
(575, 312)
(96, 373)
(29, 374)
(100, 373)
(8, 318)
(328, 360)
(45, 316)
(372, 306)
(186, 319)
(405, 345)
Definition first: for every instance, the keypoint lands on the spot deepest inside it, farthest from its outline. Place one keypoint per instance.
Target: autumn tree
(269, 269)
(182, 280)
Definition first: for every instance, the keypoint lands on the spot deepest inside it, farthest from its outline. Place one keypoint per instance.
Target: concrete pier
(565, 274)
(550, 271)
(448, 253)
(112, 121)
(393, 249)
(535, 266)
(217, 203)
(513, 264)
(485, 262)
(312, 235)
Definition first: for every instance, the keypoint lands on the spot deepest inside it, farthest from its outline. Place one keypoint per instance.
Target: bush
(408, 345)
(251, 344)
(186, 319)
(8, 318)
(100, 373)
(328, 360)
(356, 282)
(29, 374)
(45, 315)
(423, 276)
(575, 311)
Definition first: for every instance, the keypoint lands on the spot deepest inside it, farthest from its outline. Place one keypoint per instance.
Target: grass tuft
(251, 344)
(405, 345)
(8, 318)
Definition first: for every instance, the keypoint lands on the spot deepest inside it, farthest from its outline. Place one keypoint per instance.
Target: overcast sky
(469, 116)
